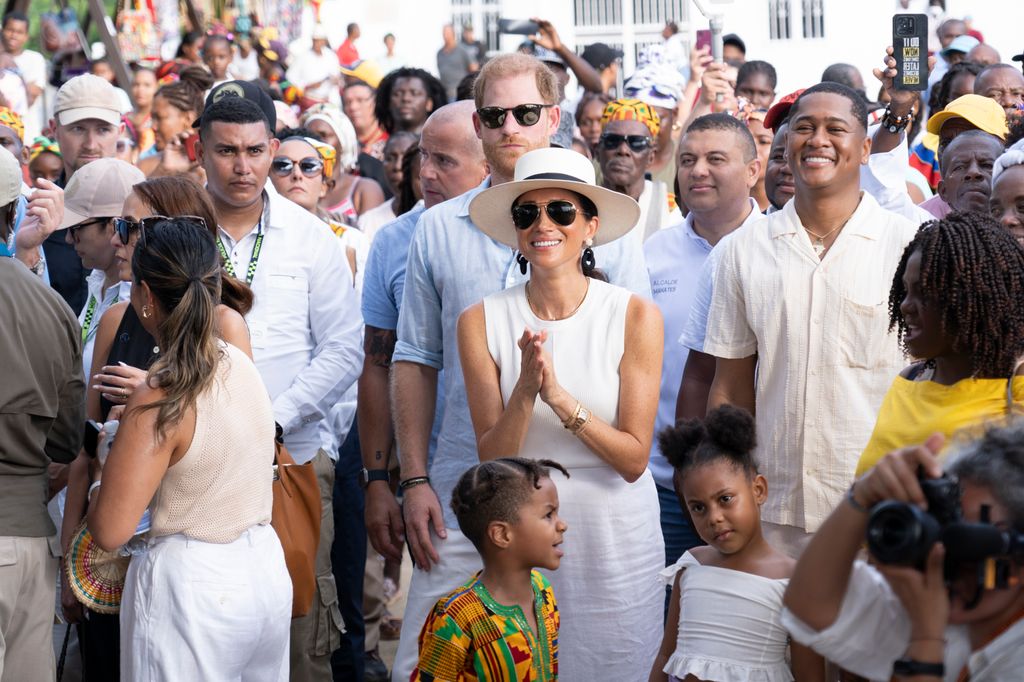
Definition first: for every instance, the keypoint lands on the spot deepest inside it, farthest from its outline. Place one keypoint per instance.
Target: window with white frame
(779, 20)
(814, 18)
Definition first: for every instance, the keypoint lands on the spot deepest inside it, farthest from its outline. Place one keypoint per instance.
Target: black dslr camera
(901, 533)
(904, 534)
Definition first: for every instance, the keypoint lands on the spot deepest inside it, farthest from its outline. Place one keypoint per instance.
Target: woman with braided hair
(176, 105)
(955, 302)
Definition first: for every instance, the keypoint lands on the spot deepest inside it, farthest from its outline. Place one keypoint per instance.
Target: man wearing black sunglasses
(451, 265)
(625, 151)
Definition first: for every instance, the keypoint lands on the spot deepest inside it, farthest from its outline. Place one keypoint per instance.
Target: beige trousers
(317, 634)
(28, 584)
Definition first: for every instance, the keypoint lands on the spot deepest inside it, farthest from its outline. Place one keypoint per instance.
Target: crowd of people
(631, 365)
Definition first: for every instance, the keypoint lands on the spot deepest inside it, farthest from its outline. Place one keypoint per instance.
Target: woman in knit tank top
(566, 367)
(207, 595)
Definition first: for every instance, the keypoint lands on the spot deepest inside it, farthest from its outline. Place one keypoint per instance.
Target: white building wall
(856, 31)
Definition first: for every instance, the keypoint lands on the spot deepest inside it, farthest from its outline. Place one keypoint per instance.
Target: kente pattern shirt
(469, 637)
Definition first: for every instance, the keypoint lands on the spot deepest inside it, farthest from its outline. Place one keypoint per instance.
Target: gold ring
(124, 392)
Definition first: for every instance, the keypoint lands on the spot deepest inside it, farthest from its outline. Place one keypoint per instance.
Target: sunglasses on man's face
(73, 229)
(124, 227)
(637, 143)
(525, 114)
(311, 166)
(561, 212)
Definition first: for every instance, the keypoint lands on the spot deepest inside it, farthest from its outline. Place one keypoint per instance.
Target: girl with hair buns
(208, 596)
(175, 106)
(724, 616)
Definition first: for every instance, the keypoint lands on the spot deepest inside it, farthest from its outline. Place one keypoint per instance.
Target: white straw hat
(552, 167)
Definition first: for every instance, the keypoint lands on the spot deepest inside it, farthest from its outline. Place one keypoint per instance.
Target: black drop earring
(588, 260)
(521, 259)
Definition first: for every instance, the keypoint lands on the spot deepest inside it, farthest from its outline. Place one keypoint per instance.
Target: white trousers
(196, 610)
(459, 561)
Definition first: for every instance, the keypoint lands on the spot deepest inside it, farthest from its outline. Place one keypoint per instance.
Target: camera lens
(905, 26)
(900, 533)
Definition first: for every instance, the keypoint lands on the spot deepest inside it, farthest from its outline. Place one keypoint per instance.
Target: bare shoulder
(472, 318)
(112, 316)
(642, 312)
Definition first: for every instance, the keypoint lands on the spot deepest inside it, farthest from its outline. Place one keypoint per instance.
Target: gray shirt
(42, 396)
(452, 67)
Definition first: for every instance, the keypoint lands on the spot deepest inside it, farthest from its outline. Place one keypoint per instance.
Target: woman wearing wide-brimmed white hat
(567, 367)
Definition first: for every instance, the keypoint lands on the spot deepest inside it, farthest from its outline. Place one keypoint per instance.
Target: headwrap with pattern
(13, 121)
(42, 144)
(632, 110)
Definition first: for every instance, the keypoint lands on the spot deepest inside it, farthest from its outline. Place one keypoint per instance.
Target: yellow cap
(983, 113)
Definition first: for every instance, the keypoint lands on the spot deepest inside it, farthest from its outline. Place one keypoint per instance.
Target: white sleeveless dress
(609, 596)
(730, 627)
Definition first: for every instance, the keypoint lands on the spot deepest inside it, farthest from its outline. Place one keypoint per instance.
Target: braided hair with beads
(495, 491)
(972, 270)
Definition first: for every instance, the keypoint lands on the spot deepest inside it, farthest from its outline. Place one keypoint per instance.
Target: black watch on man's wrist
(371, 475)
(908, 667)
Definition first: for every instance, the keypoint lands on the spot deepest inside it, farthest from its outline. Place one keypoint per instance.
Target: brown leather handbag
(296, 518)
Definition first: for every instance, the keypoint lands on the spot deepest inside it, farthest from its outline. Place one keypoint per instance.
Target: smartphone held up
(910, 50)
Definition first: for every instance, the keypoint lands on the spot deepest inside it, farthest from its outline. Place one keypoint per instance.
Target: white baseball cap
(87, 96)
(10, 177)
(98, 190)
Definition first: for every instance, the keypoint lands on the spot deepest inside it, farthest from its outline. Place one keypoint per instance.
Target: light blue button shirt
(383, 282)
(451, 266)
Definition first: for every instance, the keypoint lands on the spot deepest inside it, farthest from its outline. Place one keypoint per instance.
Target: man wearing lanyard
(93, 198)
(305, 322)
(42, 406)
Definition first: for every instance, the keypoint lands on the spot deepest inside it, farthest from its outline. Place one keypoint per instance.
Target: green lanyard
(90, 311)
(250, 271)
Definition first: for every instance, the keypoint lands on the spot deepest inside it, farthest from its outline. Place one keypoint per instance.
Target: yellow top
(914, 410)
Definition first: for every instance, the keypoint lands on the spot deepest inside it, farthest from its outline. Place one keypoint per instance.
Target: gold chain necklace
(819, 244)
(529, 301)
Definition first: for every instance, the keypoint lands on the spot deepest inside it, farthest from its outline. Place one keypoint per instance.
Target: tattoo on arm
(378, 455)
(380, 346)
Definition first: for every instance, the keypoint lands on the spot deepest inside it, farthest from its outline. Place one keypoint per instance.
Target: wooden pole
(105, 27)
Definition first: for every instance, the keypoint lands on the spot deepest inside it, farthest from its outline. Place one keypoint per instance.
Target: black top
(370, 167)
(133, 346)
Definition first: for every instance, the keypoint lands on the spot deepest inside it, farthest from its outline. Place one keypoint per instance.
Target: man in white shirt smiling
(799, 317)
(717, 166)
(305, 322)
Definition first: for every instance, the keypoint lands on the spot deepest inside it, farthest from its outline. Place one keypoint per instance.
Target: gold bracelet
(574, 416)
(580, 422)
(586, 422)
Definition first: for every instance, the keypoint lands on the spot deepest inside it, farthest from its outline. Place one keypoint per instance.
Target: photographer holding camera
(928, 611)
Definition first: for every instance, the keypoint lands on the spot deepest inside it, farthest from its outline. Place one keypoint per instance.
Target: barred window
(814, 18)
(779, 20)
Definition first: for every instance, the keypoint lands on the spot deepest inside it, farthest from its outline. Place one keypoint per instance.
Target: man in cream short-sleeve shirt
(799, 317)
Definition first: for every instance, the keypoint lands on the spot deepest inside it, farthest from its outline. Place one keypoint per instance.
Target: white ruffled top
(729, 625)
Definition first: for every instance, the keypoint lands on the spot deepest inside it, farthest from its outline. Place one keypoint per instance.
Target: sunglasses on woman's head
(310, 166)
(123, 227)
(637, 143)
(560, 211)
(525, 114)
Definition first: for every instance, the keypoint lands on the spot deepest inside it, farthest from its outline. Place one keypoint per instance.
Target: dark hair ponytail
(177, 259)
(726, 433)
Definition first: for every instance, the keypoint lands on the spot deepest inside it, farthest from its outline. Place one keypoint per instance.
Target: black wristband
(908, 667)
(414, 481)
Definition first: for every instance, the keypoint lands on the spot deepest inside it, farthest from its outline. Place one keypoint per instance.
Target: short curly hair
(495, 491)
(727, 432)
(382, 106)
(972, 270)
